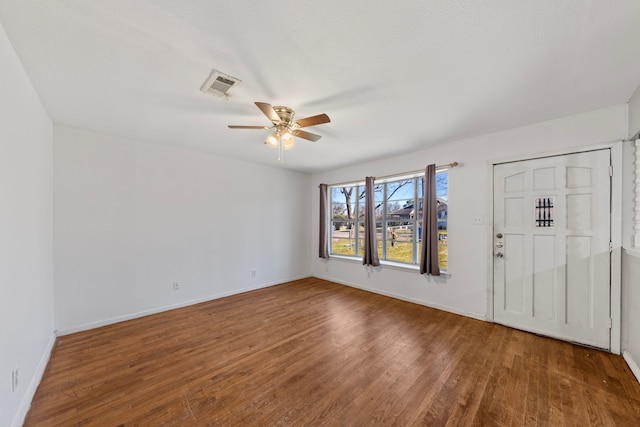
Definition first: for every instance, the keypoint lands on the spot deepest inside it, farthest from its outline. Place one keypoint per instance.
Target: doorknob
(499, 254)
(499, 235)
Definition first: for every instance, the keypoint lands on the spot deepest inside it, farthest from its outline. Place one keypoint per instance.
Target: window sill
(389, 264)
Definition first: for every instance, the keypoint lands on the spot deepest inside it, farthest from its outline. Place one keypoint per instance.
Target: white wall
(631, 255)
(634, 113)
(130, 218)
(465, 292)
(631, 309)
(26, 276)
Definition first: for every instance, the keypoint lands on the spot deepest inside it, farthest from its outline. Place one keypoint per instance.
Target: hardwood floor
(312, 352)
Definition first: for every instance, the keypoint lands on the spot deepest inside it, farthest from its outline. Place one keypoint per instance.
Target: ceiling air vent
(219, 84)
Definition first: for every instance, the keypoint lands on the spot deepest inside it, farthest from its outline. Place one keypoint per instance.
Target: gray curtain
(370, 238)
(324, 238)
(429, 263)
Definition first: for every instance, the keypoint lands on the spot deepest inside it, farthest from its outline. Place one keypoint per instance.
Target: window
(347, 219)
(399, 209)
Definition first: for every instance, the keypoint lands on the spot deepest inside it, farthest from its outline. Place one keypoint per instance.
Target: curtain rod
(447, 165)
(443, 166)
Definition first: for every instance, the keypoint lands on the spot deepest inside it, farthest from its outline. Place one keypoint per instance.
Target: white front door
(551, 234)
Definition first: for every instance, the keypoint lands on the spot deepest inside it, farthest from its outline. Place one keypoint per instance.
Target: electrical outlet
(14, 380)
(253, 273)
(176, 286)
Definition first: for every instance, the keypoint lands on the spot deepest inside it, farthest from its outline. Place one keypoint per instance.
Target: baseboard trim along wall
(25, 405)
(94, 325)
(632, 364)
(403, 298)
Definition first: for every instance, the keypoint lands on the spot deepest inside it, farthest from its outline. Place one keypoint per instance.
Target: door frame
(616, 230)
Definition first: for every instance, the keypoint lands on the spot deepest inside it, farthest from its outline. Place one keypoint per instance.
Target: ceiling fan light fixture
(287, 140)
(272, 140)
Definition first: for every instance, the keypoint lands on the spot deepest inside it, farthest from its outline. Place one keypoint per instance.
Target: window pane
(400, 201)
(361, 237)
(420, 197)
(442, 184)
(378, 194)
(343, 202)
(343, 239)
(442, 193)
(400, 190)
(443, 249)
(400, 243)
(338, 212)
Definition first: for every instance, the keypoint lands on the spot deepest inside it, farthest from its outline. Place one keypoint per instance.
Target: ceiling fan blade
(306, 135)
(313, 120)
(268, 111)
(248, 127)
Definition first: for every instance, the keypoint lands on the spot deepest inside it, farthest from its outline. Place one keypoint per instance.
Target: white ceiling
(393, 76)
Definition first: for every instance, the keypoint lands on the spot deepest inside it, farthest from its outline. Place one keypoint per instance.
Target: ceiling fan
(285, 127)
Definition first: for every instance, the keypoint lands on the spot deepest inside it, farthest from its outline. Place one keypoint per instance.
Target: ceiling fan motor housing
(285, 113)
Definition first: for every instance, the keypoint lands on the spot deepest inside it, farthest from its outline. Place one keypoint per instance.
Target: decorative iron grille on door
(544, 212)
